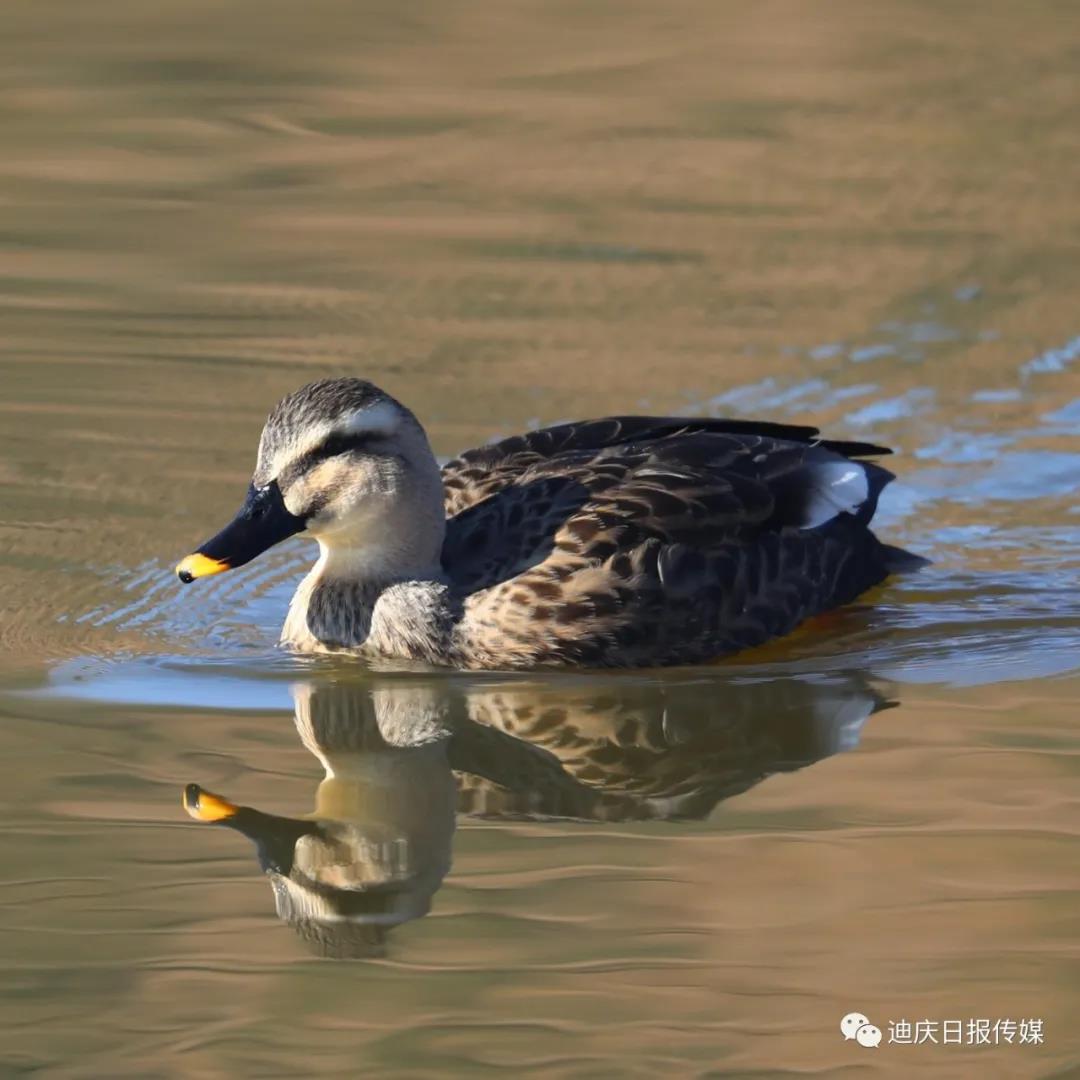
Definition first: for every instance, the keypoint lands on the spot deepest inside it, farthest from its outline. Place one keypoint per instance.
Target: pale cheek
(318, 486)
(297, 499)
(351, 502)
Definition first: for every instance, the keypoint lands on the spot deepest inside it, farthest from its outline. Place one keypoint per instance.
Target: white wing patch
(833, 487)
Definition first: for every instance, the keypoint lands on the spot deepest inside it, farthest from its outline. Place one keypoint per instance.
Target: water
(509, 217)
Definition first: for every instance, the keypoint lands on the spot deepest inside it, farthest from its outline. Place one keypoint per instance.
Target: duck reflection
(402, 755)
(377, 845)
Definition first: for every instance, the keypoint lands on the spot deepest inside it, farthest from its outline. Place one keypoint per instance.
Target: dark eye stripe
(340, 443)
(331, 446)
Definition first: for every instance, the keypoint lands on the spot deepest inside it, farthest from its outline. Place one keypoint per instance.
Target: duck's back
(637, 541)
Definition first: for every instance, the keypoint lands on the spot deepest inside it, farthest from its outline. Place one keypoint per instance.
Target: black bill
(262, 522)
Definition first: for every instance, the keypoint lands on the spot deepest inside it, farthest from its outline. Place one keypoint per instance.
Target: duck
(622, 542)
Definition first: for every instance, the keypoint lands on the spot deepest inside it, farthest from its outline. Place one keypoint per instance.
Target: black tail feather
(899, 561)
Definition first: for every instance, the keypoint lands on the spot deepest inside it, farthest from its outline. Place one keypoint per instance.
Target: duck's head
(343, 461)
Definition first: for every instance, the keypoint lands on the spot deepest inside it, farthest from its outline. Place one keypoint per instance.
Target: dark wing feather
(476, 474)
(639, 540)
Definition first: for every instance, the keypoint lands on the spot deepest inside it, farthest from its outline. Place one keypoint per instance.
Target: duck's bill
(262, 522)
(206, 806)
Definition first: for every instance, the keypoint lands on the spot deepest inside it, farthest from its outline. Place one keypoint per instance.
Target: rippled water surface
(863, 217)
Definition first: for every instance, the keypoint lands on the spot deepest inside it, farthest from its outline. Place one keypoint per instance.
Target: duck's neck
(365, 600)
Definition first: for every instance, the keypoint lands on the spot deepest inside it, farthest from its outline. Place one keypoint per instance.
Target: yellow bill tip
(206, 806)
(196, 566)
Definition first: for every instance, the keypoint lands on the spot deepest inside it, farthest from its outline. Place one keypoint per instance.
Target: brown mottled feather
(639, 540)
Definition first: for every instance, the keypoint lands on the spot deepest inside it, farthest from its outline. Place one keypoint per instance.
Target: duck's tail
(899, 561)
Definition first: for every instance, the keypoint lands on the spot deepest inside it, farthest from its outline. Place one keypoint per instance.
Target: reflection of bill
(401, 753)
